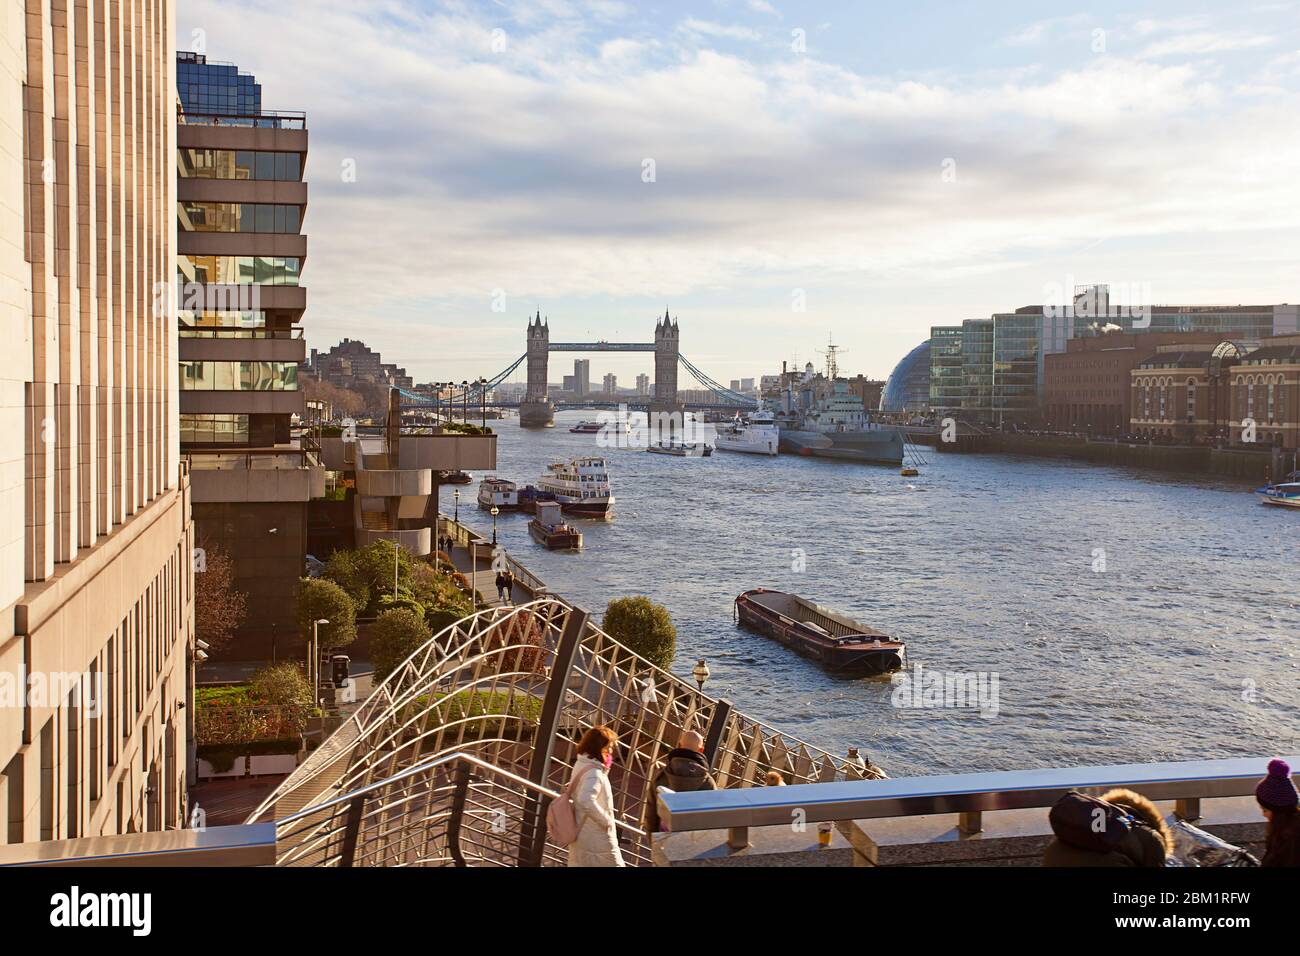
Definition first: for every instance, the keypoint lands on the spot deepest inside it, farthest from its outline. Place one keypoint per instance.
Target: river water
(1128, 616)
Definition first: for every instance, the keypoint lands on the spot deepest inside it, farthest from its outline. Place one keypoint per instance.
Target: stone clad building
(95, 540)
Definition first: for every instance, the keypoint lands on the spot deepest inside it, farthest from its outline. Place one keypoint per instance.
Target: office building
(241, 200)
(643, 384)
(611, 383)
(95, 539)
(582, 377)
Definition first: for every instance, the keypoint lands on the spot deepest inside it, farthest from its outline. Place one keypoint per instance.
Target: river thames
(1129, 616)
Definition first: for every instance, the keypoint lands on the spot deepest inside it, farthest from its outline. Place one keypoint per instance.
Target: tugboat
(530, 497)
(682, 449)
(551, 530)
(580, 485)
(837, 641)
(498, 493)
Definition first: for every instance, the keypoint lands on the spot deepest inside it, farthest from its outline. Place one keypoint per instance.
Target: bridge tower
(667, 340)
(536, 408)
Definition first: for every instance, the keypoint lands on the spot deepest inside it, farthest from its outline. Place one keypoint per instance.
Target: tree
(280, 684)
(219, 607)
(374, 563)
(319, 598)
(342, 569)
(643, 627)
(395, 637)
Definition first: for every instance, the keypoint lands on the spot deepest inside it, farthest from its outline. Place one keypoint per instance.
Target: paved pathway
(483, 579)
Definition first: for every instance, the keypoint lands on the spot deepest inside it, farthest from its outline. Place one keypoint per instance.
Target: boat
(682, 449)
(455, 477)
(586, 428)
(551, 530)
(1285, 494)
(530, 498)
(838, 427)
(757, 435)
(837, 641)
(909, 472)
(498, 493)
(580, 485)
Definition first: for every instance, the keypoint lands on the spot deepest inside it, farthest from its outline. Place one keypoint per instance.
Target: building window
(1162, 402)
(1250, 400)
(1271, 405)
(245, 270)
(1191, 400)
(239, 376)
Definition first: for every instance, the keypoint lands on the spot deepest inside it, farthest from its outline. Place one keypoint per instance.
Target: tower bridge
(538, 410)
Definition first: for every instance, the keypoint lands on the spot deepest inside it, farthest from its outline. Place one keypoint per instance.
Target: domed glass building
(908, 387)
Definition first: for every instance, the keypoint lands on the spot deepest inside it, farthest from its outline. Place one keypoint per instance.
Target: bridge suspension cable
(473, 388)
(728, 396)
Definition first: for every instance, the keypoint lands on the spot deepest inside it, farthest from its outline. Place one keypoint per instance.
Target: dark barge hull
(867, 653)
(568, 540)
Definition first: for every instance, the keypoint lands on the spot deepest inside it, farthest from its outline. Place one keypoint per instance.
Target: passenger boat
(498, 493)
(456, 477)
(586, 428)
(835, 640)
(682, 449)
(758, 435)
(580, 485)
(1285, 494)
(551, 530)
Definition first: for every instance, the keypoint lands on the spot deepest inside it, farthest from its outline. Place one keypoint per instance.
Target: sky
(772, 173)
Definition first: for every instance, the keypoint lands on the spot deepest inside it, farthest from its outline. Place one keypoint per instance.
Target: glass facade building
(947, 387)
(215, 88)
(908, 386)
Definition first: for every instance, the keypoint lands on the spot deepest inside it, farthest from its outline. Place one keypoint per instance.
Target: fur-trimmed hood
(1144, 810)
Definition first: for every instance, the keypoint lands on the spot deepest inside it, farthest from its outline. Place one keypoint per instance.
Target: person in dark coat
(685, 769)
(1122, 829)
(1277, 798)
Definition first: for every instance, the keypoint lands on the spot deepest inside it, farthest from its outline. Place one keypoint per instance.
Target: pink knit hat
(1276, 791)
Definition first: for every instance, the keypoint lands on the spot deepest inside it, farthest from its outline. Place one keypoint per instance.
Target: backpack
(562, 817)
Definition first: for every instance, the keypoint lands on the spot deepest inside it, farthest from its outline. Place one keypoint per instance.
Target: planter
(237, 769)
(273, 763)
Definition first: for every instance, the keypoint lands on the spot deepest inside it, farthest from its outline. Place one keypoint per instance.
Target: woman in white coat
(593, 802)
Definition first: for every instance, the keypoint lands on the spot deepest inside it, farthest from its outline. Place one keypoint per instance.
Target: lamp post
(494, 512)
(701, 673)
(456, 498)
(395, 547)
(313, 663)
(464, 401)
(482, 400)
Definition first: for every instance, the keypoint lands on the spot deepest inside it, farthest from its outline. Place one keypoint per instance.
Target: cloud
(1202, 44)
(523, 170)
(717, 30)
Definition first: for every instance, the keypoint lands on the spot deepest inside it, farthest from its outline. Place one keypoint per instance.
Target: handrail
(969, 793)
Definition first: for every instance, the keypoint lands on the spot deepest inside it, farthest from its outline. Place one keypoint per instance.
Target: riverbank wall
(1254, 467)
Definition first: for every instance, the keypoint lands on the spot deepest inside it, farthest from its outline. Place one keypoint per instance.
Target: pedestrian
(593, 802)
(685, 769)
(1121, 829)
(773, 778)
(510, 586)
(1277, 798)
(503, 586)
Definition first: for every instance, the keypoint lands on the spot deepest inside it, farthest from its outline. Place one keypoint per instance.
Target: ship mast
(832, 352)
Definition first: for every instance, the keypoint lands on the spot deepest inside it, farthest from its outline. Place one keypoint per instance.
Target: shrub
(395, 637)
(489, 705)
(281, 684)
(643, 627)
(320, 598)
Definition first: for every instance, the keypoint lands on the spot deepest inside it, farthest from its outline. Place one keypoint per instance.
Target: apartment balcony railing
(211, 333)
(267, 119)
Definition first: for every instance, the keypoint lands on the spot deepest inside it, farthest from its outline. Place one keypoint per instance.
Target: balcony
(272, 474)
(394, 483)
(241, 345)
(291, 244)
(262, 402)
(418, 541)
(445, 452)
(286, 192)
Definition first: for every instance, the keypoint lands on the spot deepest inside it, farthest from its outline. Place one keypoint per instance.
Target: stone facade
(95, 538)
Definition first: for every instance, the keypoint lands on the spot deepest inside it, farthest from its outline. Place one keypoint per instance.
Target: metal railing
(267, 119)
(453, 810)
(516, 687)
(968, 795)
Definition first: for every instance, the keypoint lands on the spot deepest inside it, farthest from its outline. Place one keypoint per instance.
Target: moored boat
(835, 640)
(682, 449)
(530, 497)
(757, 435)
(498, 493)
(551, 530)
(580, 485)
(456, 478)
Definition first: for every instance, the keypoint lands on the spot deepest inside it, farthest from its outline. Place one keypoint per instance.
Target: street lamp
(313, 663)
(494, 512)
(700, 672)
(456, 497)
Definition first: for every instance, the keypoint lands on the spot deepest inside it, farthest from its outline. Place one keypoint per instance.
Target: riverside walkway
(471, 555)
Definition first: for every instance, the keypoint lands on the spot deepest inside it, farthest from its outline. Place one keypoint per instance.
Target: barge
(837, 641)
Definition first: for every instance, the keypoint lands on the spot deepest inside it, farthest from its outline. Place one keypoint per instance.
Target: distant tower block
(536, 408)
(667, 339)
